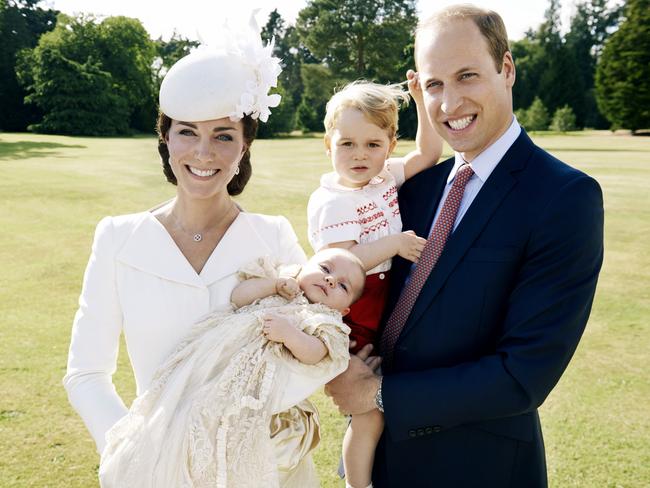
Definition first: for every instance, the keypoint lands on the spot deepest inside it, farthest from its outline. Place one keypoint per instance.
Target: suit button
(437, 428)
(382, 276)
(428, 430)
(412, 433)
(420, 432)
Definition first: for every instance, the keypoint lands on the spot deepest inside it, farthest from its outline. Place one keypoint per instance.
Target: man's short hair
(488, 22)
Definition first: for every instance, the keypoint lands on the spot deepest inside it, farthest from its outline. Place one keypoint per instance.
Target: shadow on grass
(27, 149)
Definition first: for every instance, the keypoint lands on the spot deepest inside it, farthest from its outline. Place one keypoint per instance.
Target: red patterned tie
(430, 254)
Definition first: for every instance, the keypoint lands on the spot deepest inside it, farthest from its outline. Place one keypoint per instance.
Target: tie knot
(463, 175)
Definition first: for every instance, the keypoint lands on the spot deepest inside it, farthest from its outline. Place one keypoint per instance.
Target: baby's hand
(287, 288)
(414, 87)
(276, 328)
(410, 245)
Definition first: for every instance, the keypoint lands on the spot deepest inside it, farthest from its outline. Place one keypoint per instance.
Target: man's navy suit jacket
(494, 326)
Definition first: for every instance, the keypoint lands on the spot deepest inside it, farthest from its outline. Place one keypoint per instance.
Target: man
(481, 329)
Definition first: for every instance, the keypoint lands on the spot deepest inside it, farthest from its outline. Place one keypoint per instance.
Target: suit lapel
(492, 193)
(418, 203)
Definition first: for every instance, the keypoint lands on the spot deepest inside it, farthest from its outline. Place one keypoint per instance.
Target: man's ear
(345, 311)
(508, 69)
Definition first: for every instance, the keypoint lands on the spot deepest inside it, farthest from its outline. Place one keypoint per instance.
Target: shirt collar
(484, 163)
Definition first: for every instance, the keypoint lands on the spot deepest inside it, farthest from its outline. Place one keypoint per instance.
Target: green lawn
(53, 191)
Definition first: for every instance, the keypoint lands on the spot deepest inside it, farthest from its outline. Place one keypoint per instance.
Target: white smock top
(138, 282)
(338, 213)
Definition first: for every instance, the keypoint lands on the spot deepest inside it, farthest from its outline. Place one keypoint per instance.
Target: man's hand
(354, 390)
(287, 288)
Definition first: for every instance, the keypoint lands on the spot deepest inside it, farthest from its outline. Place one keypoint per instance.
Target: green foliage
(77, 98)
(319, 85)
(21, 24)
(168, 52)
(522, 117)
(91, 78)
(563, 119)
(622, 74)
(590, 27)
(560, 70)
(282, 119)
(359, 39)
(536, 117)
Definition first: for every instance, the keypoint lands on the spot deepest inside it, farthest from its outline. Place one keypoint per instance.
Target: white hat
(229, 78)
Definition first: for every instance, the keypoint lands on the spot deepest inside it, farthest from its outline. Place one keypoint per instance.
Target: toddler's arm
(306, 348)
(405, 244)
(428, 144)
(253, 289)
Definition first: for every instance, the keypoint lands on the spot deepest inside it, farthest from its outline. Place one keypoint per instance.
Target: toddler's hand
(414, 87)
(276, 328)
(410, 245)
(287, 288)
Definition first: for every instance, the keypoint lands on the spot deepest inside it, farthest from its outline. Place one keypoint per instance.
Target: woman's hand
(410, 245)
(287, 288)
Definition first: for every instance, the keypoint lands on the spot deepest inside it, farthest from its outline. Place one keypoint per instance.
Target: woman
(151, 271)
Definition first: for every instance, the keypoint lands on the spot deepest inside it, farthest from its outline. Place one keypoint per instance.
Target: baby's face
(333, 278)
(358, 148)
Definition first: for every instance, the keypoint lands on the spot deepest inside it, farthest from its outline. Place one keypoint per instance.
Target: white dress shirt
(138, 282)
(482, 165)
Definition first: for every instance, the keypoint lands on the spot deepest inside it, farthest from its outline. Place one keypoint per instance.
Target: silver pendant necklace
(198, 236)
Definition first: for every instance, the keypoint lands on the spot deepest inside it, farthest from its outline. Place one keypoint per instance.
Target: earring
(237, 170)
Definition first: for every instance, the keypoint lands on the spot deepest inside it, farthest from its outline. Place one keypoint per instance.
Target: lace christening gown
(228, 408)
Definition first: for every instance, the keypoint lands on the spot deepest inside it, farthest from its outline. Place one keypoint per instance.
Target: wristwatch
(379, 401)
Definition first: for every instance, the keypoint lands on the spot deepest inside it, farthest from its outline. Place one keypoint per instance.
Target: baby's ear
(345, 311)
(328, 143)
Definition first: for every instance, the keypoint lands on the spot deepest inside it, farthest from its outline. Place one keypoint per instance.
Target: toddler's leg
(359, 445)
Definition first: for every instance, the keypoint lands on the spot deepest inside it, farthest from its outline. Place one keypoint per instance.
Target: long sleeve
(95, 341)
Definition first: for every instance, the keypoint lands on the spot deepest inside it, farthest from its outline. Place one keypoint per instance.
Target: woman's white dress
(139, 284)
(205, 421)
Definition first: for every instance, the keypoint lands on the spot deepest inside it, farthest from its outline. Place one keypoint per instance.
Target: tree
(563, 119)
(559, 83)
(528, 55)
(21, 25)
(320, 84)
(537, 116)
(359, 38)
(623, 71)
(107, 67)
(282, 119)
(591, 25)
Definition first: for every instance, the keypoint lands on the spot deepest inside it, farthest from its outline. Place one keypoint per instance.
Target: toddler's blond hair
(378, 103)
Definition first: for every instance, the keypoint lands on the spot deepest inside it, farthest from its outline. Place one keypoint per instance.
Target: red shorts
(366, 312)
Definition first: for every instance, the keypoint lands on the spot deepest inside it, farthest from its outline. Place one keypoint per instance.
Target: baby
(234, 376)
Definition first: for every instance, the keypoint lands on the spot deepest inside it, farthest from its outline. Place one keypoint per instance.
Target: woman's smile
(202, 173)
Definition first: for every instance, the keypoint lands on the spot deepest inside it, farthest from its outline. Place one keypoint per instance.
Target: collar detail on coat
(151, 249)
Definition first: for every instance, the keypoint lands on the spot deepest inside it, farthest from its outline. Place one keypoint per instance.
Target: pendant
(198, 237)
